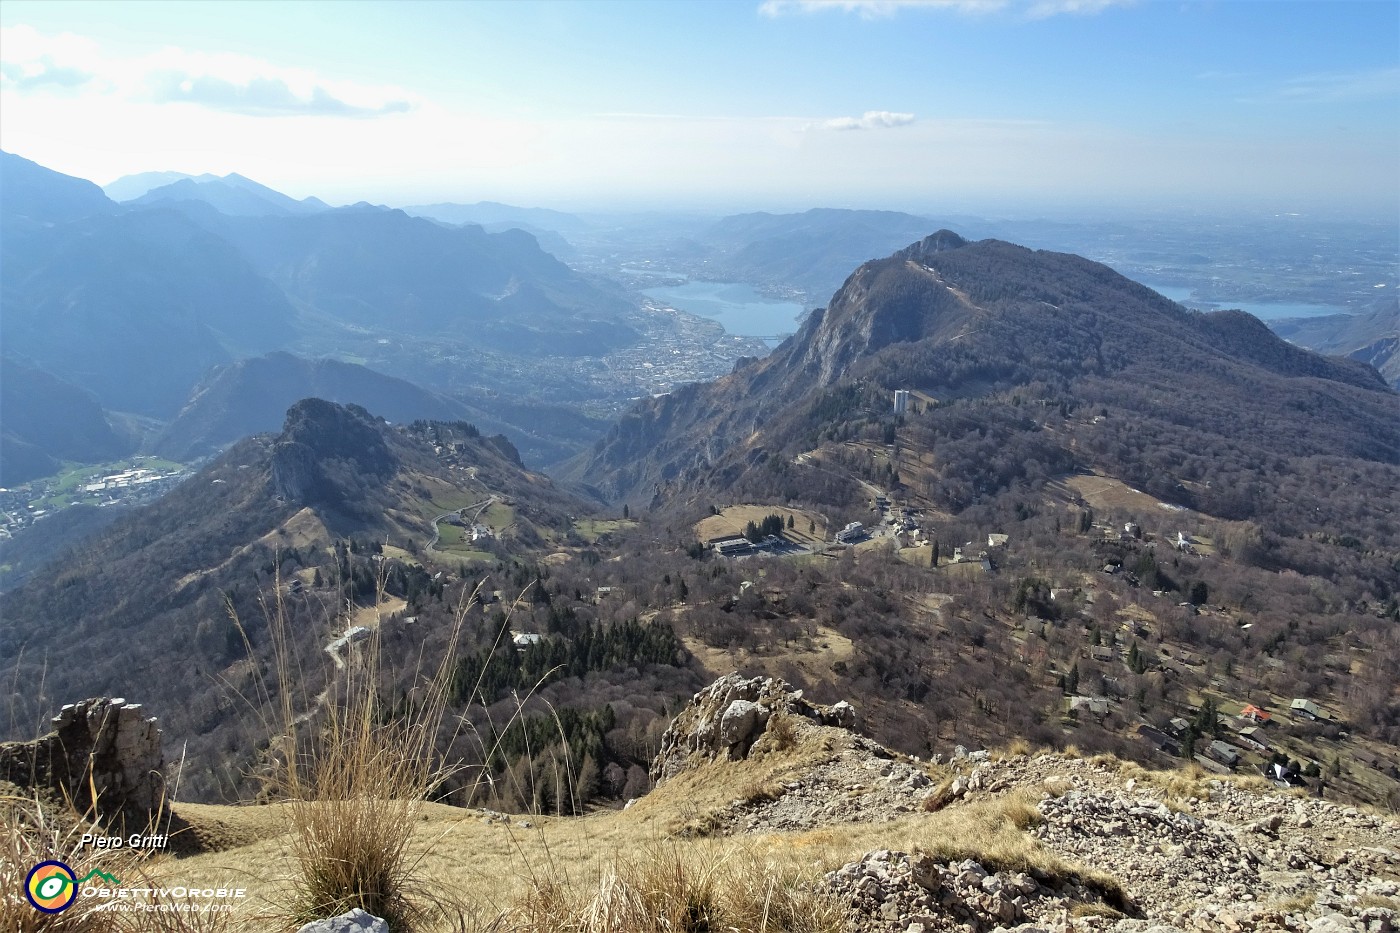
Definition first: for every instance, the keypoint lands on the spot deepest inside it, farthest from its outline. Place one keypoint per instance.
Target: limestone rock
(353, 921)
(726, 718)
(106, 746)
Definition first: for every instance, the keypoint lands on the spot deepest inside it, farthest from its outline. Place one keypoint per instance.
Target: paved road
(479, 506)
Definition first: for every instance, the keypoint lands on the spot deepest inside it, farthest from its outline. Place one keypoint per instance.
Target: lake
(742, 311)
(1263, 310)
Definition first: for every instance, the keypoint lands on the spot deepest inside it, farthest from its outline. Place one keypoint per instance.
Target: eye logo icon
(51, 887)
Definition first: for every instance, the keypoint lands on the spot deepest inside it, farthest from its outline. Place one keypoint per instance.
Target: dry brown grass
(33, 833)
(670, 888)
(33, 830)
(1016, 748)
(355, 778)
(781, 733)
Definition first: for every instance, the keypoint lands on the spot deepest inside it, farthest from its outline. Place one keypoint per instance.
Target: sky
(970, 105)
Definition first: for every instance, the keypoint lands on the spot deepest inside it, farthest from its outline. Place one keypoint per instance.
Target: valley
(1005, 557)
(775, 466)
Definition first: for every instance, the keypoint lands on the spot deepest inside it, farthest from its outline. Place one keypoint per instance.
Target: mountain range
(160, 579)
(1052, 404)
(135, 303)
(1371, 337)
(252, 395)
(232, 194)
(960, 322)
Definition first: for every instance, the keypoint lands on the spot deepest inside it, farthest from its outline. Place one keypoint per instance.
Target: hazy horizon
(929, 106)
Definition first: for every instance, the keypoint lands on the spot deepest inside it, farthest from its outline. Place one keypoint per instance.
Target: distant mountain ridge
(135, 302)
(44, 420)
(252, 396)
(489, 213)
(232, 194)
(32, 194)
(960, 320)
(381, 269)
(1371, 337)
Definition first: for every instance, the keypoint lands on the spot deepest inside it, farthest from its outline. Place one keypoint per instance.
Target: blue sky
(914, 104)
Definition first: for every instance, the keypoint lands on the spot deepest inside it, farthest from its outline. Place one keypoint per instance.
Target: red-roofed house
(1255, 714)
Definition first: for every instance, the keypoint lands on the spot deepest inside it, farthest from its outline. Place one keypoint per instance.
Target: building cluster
(23, 505)
(1234, 737)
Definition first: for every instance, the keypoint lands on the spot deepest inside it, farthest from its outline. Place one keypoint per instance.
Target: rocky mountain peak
(939, 242)
(325, 446)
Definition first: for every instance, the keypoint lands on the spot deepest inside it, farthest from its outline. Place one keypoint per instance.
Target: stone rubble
(902, 893)
(1232, 860)
(1231, 856)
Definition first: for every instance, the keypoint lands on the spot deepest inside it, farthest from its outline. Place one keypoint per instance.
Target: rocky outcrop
(1228, 858)
(1104, 848)
(353, 921)
(724, 720)
(326, 452)
(103, 755)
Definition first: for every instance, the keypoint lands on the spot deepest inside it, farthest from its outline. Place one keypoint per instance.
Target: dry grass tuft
(356, 776)
(1016, 748)
(670, 888)
(31, 834)
(781, 734)
(938, 798)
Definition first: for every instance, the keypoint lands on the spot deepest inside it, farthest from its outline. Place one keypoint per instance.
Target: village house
(1223, 753)
(1307, 709)
(1160, 739)
(1253, 737)
(1255, 715)
(1095, 705)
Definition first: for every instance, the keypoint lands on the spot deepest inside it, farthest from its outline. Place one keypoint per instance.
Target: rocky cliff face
(326, 451)
(104, 755)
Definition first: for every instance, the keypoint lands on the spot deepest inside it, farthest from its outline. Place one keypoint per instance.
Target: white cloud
(870, 120)
(872, 9)
(1344, 86)
(1040, 9)
(877, 9)
(239, 84)
(34, 63)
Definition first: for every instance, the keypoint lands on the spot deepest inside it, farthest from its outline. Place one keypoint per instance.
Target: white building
(901, 401)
